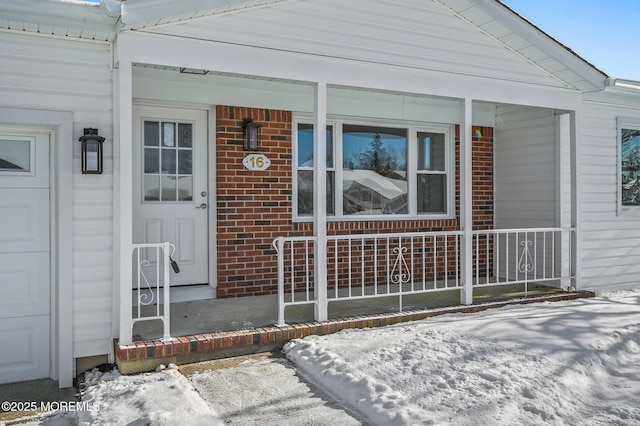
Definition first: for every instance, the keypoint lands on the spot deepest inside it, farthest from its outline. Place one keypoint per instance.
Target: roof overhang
(103, 21)
(73, 19)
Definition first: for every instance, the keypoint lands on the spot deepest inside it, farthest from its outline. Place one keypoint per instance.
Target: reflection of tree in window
(630, 166)
(374, 170)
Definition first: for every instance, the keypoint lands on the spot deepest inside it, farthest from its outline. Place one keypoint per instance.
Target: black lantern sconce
(251, 134)
(91, 152)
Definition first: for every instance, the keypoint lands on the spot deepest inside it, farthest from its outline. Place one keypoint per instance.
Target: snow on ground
(575, 362)
(164, 398)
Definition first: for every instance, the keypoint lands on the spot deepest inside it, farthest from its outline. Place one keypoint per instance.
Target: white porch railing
(365, 266)
(381, 265)
(151, 284)
(521, 256)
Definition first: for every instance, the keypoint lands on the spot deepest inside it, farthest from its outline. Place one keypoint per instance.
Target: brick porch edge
(146, 355)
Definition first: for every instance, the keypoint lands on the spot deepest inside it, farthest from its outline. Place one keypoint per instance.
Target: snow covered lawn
(564, 363)
(575, 362)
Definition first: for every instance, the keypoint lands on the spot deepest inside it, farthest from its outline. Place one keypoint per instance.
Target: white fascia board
(144, 13)
(142, 47)
(543, 41)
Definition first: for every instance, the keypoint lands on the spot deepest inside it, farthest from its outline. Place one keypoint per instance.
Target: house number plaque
(256, 162)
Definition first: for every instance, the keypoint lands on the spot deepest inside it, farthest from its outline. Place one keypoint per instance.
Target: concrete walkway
(261, 389)
(264, 389)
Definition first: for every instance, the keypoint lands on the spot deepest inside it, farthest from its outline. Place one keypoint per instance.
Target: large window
(386, 170)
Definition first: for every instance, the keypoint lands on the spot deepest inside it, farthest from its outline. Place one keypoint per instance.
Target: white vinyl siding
(415, 33)
(66, 75)
(610, 241)
(525, 167)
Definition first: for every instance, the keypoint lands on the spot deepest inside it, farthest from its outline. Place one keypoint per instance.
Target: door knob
(202, 206)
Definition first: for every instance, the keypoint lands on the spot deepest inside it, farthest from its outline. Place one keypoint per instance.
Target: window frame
(413, 128)
(632, 124)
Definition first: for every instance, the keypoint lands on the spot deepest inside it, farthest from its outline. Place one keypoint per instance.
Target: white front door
(170, 194)
(25, 286)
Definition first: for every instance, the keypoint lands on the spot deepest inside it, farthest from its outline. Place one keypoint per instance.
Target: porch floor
(219, 328)
(216, 315)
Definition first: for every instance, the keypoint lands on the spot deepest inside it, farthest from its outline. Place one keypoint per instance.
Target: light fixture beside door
(251, 134)
(91, 151)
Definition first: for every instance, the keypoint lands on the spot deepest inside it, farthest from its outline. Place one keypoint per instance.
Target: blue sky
(603, 32)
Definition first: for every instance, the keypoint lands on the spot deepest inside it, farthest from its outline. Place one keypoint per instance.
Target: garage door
(24, 257)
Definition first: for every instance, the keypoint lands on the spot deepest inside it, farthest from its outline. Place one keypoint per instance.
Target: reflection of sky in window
(305, 146)
(355, 143)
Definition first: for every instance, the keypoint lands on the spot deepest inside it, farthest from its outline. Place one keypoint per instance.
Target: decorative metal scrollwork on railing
(526, 262)
(400, 272)
(145, 299)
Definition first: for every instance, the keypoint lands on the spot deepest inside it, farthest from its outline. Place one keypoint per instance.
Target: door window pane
(168, 134)
(185, 188)
(185, 161)
(168, 185)
(151, 160)
(185, 135)
(152, 188)
(151, 133)
(168, 161)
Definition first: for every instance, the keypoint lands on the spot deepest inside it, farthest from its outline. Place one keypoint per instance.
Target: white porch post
(466, 188)
(564, 197)
(124, 182)
(320, 200)
(575, 201)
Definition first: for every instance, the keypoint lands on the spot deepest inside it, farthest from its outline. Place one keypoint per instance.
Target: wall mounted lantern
(91, 152)
(251, 134)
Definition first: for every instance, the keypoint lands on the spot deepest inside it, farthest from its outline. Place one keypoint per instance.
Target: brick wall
(254, 207)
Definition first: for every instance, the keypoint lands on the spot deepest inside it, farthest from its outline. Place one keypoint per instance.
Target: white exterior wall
(525, 167)
(610, 241)
(47, 73)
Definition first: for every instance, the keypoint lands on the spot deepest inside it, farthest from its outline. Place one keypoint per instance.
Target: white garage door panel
(25, 253)
(24, 220)
(24, 348)
(24, 284)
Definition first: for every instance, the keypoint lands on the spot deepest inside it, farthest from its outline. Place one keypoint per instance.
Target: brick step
(146, 355)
